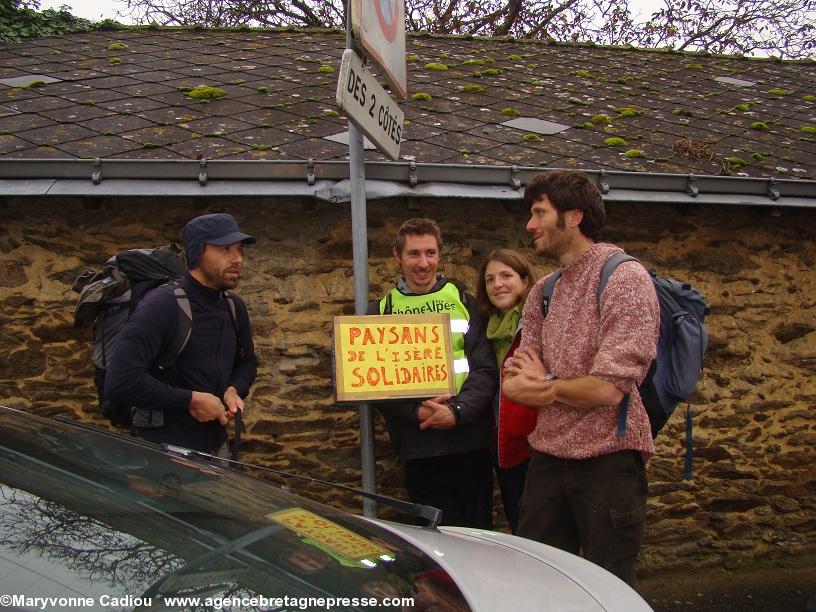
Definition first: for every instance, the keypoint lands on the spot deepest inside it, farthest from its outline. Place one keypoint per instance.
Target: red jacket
(516, 421)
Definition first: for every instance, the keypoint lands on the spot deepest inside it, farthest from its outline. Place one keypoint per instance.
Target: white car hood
(498, 572)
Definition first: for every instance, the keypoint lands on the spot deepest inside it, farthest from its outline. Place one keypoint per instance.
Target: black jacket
(475, 427)
(210, 362)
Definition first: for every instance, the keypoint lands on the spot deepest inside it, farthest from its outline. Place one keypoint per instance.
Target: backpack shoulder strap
(234, 318)
(239, 426)
(184, 326)
(546, 294)
(231, 304)
(608, 268)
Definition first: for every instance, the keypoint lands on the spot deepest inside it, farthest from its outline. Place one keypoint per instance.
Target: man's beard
(554, 240)
(220, 280)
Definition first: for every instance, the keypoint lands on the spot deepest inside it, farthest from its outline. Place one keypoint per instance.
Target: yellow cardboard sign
(328, 534)
(380, 357)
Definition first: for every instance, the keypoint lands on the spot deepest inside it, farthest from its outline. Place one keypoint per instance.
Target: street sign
(378, 26)
(364, 101)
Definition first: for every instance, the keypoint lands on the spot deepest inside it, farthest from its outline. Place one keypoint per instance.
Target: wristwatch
(456, 409)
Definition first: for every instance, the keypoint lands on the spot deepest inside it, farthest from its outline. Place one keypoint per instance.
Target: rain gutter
(329, 181)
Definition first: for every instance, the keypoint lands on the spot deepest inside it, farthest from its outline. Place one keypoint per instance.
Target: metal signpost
(384, 42)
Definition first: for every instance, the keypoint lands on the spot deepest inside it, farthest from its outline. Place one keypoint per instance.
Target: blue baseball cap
(216, 228)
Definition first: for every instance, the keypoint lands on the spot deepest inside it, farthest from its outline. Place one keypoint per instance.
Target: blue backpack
(674, 373)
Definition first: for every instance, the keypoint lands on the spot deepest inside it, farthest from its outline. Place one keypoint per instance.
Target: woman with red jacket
(505, 278)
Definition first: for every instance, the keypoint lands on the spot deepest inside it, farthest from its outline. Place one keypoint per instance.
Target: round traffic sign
(388, 17)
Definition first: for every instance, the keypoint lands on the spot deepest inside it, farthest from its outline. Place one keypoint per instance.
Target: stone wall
(754, 488)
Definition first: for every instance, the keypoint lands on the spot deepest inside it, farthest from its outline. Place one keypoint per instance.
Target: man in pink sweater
(586, 485)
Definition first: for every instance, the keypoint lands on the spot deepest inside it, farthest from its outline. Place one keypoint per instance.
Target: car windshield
(84, 514)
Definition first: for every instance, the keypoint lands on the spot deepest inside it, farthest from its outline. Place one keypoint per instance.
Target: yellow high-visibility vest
(445, 300)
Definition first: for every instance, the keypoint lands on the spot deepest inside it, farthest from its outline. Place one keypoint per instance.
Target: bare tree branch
(782, 27)
(513, 10)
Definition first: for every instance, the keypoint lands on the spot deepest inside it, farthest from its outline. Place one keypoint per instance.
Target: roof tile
(56, 134)
(278, 105)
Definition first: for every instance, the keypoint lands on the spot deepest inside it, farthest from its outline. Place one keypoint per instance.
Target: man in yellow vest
(444, 441)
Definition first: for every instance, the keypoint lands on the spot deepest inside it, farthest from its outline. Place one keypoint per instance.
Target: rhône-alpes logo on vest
(431, 307)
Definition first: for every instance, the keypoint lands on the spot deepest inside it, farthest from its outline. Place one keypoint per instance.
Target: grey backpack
(108, 296)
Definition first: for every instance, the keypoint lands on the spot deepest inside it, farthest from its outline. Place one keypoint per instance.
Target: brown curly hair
(570, 190)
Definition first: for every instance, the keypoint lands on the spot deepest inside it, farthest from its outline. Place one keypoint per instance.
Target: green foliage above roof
(20, 20)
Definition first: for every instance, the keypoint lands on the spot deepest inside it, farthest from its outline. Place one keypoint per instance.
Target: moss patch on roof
(206, 92)
(615, 141)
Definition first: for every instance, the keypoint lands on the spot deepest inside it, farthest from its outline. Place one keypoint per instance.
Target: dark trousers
(593, 506)
(461, 485)
(511, 485)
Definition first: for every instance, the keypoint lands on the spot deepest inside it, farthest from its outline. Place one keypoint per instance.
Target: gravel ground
(783, 589)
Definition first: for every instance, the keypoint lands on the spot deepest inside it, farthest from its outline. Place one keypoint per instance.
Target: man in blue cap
(205, 386)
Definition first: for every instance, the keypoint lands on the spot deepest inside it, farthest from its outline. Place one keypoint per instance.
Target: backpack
(108, 296)
(681, 345)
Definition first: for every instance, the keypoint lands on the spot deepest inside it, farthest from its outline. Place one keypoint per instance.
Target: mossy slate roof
(689, 113)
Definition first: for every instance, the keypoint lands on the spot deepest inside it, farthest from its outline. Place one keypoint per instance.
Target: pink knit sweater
(573, 342)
